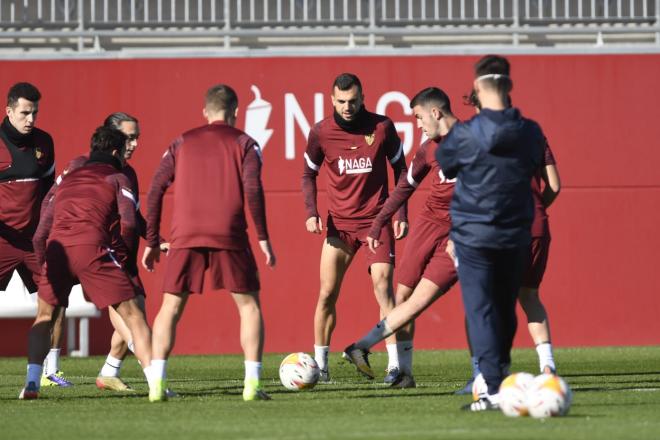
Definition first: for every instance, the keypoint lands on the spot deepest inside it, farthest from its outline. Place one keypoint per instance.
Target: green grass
(616, 396)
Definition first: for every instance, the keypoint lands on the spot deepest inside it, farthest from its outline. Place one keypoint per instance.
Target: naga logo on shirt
(354, 166)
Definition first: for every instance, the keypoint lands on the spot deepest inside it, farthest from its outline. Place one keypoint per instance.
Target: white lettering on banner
(443, 179)
(294, 114)
(406, 128)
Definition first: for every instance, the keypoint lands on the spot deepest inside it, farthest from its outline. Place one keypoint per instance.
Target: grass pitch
(616, 396)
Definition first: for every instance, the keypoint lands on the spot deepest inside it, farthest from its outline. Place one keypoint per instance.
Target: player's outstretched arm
(267, 249)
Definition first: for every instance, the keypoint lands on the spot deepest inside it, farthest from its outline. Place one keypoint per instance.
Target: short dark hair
(115, 119)
(106, 139)
(22, 90)
(221, 97)
(346, 81)
(432, 95)
(497, 65)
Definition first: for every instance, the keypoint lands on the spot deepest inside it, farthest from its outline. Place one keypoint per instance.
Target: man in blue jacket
(493, 156)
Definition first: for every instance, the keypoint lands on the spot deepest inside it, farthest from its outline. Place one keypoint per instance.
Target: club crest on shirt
(370, 138)
(38, 153)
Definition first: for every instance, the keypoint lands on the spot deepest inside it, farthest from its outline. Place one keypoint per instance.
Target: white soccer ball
(299, 371)
(513, 394)
(549, 396)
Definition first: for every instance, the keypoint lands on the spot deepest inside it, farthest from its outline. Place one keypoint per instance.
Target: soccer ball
(299, 371)
(549, 396)
(513, 394)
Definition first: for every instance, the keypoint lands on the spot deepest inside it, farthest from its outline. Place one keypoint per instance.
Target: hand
(150, 256)
(314, 225)
(165, 247)
(451, 251)
(400, 229)
(373, 244)
(268, 252)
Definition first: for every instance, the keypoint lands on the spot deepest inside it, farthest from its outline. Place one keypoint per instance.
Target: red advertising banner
(598, 113)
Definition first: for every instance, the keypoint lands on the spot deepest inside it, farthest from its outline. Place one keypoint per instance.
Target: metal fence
(253, 23)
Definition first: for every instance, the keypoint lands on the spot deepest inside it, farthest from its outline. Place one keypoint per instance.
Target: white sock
(544, 350)
(131, 346)
(52, 362)
(111, 367)
(321, 356)
(33, 374)
(378, 332)
(157, 369)
(392, 356)
(405, 353)
(252, 370)
(149, 375)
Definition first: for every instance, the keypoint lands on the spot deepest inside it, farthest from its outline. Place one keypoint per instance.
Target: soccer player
(74, 241)
(426, 271)
(27, 171)
(213, 166)
(494, 157)
(121, 341)
(355, 145)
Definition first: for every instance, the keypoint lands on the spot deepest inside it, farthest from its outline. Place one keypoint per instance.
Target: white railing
(368, 22)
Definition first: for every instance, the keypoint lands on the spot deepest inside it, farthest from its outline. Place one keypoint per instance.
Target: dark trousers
(490, 280)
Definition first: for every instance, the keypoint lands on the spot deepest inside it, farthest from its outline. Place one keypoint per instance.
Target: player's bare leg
(120, 344)
(539, 329)
(164, 336)
(252, 343)
(39, 341)
(335, 259)
(381, 277)
(52, 374)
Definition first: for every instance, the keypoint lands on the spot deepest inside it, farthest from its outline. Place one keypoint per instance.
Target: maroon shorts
(101, 276)
(425, 256)
(18, 257)
(233, 270)
(356, 235)
(538, 261)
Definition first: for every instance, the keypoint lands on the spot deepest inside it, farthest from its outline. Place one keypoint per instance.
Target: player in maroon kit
(426, 271)
(355, 145)
(213, 167)
(74, 241)
(27, 171)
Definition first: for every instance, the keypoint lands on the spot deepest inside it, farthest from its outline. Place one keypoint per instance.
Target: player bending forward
(74, 242)
(426, 271)
(213, 165)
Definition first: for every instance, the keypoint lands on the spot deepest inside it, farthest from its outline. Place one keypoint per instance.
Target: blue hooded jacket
(493, 156)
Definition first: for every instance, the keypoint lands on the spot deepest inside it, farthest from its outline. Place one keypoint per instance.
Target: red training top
(356, 167)
(436, 208)
(213, 167)
(85, 207)
(540, 226)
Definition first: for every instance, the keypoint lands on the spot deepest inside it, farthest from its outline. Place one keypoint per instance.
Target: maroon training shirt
(213, 167)
(436, 208)
(141, 223)
(84, 208)
(540, 226)
(356, 165)
(27, 170)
